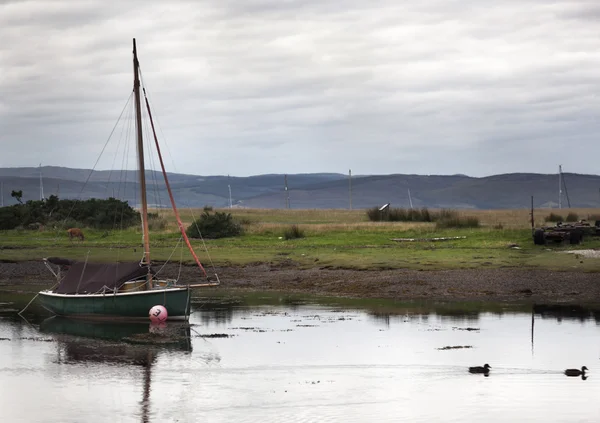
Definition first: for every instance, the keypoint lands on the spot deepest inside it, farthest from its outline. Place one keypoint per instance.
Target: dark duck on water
(480, 369)
(576, 372)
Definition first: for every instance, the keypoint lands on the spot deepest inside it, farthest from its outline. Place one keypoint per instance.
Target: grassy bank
(333, 239)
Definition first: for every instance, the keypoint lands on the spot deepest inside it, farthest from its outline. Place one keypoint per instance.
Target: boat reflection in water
(123, 343)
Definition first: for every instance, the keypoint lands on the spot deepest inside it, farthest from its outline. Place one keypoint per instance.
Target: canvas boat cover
(90, 278)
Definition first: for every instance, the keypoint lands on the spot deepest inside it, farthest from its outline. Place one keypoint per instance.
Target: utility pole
(350, 186)
(41, 185)
(229, 188)
(559, 186)
(287, 193)
(2, 193)
(410, 199)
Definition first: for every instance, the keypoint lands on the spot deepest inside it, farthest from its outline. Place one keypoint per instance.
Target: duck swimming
(480, 369)
(576, 372)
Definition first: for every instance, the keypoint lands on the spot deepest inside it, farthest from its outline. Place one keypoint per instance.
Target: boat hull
(129, 305)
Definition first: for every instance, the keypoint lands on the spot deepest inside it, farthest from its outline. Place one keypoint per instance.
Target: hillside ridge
(310, 190)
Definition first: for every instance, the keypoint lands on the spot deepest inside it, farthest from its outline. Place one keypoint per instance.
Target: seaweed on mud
(216, 335)
(454, 347)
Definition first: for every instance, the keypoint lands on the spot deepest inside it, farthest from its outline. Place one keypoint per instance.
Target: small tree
(17, 195)
(213, 226)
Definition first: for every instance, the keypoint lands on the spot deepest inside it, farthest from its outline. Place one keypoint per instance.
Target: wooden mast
(140, 153)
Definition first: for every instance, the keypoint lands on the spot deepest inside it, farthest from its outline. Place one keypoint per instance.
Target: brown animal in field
(75, 233)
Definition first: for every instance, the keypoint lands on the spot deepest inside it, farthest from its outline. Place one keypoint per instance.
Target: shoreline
(491, 285)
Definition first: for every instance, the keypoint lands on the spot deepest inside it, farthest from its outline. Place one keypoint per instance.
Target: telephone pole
(229, 186)
(41, 185)
(287, 193)
(350, 186)
(560, 186)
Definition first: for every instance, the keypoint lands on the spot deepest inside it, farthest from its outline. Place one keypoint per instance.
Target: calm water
(280, 359)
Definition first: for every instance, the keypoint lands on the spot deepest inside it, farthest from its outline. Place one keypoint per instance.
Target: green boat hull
(129, 305)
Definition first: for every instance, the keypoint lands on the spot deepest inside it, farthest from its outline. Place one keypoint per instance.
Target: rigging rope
(162, 165)
(100, 155)
(212, 265)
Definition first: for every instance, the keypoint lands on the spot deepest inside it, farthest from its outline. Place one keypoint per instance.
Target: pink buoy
(158, 314)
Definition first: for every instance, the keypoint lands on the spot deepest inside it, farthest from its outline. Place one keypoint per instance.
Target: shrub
(415, 215)
(67, 223)
(553, 217)
(572, 217)
(447, 214)
(95, 213)
(213, 226)
(374, 214)
(10, 217)
(425, 215)
(293, 232)
(401, 215)
(395, 215)
(458, 222)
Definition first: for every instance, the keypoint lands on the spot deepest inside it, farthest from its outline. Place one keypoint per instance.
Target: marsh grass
(458, 222)
(156, 222)
(333, 239)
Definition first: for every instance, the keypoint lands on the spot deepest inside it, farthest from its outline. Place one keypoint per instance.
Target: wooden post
(532, 221)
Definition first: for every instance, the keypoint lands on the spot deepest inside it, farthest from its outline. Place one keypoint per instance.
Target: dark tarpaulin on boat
(90, 278)
(60, 261)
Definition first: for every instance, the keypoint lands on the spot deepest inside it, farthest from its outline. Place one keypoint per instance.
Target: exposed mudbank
(535, 285)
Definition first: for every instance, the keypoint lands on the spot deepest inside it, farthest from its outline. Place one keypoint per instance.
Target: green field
(333, 239)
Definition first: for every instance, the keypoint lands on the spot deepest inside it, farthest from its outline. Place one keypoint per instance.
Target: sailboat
(122, 289)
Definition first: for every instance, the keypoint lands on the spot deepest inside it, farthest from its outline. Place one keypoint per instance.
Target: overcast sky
(246, 87)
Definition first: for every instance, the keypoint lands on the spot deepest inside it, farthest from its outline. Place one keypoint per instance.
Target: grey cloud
(305, 86)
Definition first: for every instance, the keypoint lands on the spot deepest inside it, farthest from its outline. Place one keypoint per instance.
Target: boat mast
(140, 153)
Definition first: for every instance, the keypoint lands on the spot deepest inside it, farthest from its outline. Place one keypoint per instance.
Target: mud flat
(505, 284)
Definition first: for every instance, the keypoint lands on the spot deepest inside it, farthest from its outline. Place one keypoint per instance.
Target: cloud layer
(253, 87)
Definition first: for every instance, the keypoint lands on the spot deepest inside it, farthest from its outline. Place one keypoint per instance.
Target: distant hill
(309, 191)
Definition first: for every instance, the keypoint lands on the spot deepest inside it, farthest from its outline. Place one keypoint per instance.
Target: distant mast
(41, 185)
(560, 186)
(287, 193)
(229, 187)
(350, 187)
